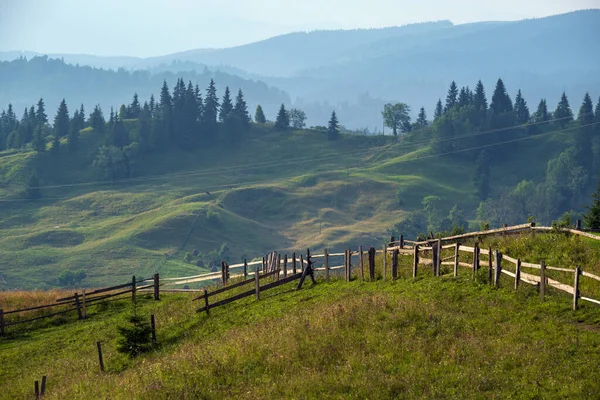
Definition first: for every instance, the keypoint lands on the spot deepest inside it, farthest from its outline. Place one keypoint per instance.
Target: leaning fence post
(576, 288)
(78, 304)
(156, 287)
(43, 388)
(518, 274)
(84, 309)
(498, 271)
(542, 279)
(153, 326)
(395, 264)
(256, 285)
(264, 263)
(223, 274)
(133, 288)
(1, 322)
(384, 261)
(361, 263)
(326, 263)
(301, 263)
(100, 356)
(416, 261)
(456, 249)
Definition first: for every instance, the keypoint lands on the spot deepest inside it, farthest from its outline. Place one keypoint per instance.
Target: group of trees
(296, 119)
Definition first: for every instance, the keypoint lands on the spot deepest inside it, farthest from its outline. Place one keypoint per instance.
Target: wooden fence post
(456, 249)
(223, 274)
(384, 261)
(475, 259)
(416, 261)
(372, 264)
(401, 241)
(395, 264)
(542, 280)
(84, 308)
(78, 304)
(361, 263)
(498, 270)
(294, 262)
(100, 356)
(348, 265)
(245, 268)
(490, 267)
(133, 288)
(36, 390)
(578, 226)
(576, 288)
(43, 388)
(156, 287)
(435, 255)
(1, 322)
(278, 265)
(285, 262)
(301, 263)
(326, 263)
(438, 268)
(518, 274)
(153, 326)
(256, 284)
(206, 295)
(264, 263)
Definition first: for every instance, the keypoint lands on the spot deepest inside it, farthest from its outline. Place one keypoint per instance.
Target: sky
(145, 28)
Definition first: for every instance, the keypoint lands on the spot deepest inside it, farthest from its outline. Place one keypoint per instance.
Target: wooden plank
(448, 246)
(497, 268)
(280, 282)
(384, 261)
(467, 249)
(561, 286)
(490, 267)
(153, 327)
(456, 256)
(508, 229)
(505, 272)
(40, 317)
(43, 387)
(256, 285)
(588, 275)
(464, 264)
(108, 289)
(228, 300)
(294, 263)
(476, 253)
(371, 255)
(509, 259)
(285, 266)
(156, 287)
(590, 300)
(361, 264)
(2, 333)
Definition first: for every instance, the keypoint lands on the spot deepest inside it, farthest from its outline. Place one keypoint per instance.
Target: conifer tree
(482, 175)
(61, 120)
(333, 130)
(563, 113)
(586, 111)
(134, 108)
(597, 118)
(259, 115)
(73, 137)
(583, 137)
(226, 105)
(521, 110)
(81, 116)
(39, 142)
(165, 114)
(591, 219)
(501, 102)
(241, 109)
(282, 122)
(199, 104)
(452, 96)
(152, 105)
(479, 98)
(40, 114)
(541, 115)
(211, 111)
(464, 98)
(439, 110)
(97, 119)
(422, 118)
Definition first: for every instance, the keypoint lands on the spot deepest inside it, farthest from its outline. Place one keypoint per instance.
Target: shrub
(200, 263)
(188, 257)
(136, 338)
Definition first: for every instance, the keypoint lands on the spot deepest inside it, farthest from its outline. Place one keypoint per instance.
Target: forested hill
(23, 82)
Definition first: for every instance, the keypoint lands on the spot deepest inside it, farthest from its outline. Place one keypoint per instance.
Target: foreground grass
(433, 338)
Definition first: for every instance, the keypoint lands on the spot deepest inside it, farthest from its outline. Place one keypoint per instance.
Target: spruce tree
(40, 114)
(464, 98)
(501, 102)
(61, 120)
(541, 115)
(597, 118)
(563, 113)
(39, 142)
(134, 108)
(165, 113)
(259, 115)
(226, 105)
(479, 98)
(199, 104)
(333, 130)
(586, 111)
(241, 110)
(211, 112)
(439, 110)
(81, 117)
(481, 178)
(452, 96)
(583, 137)
(521, 110)
(282, 122)
(97, 119)
(73, 137)
(422, 118)
(591, 219)
(152, 105)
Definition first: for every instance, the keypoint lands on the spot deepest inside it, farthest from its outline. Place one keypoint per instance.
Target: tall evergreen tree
(422, 118)
(439, 110)
(563, 113)
(501, 102)
(39, 142)
(586, 111)
(134, 108)
(541, 115)
(226, 105)
(61, 120)
(199, 104)
(73, 137)
(333, 130)
(40, 114)
(241, 109)
(81, 116)
(211, 112)
(152, 105)
(465, 97)
(591, 219)
(583, 137)
(259, 115)
(481, 178)
(597, 118)
(521, 110)
(282, 122)
(97, 119)
(165, 114)
(451, 98)
(479, 98)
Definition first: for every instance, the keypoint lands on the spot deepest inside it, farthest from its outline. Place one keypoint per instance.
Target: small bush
(136, 338)
(188, 257)
(195, 253)
(200, 263)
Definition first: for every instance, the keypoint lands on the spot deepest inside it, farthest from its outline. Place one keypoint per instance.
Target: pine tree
(73, 137)
(422, 118)
(479, 98)
(591, 219)
(563, 113)
(39, 142)
(241, 110)
(97, 121)
(464, 98)
(152, 105)
(586, 111)
(134, 108)
(165, 114)
(541, 115)
(501, 102)
(597, 118)
(521, 110)
(40, 114)
(199, 104)
(439, 110)
(482, 175)
(61, 120)
(333, 130)
(211, 112)
(226, 105)
(282, 122)
(259, 115)
(583, 137)
(451, 97)
(81, 121)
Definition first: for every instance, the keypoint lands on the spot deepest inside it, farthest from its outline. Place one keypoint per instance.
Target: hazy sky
(156, 27)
